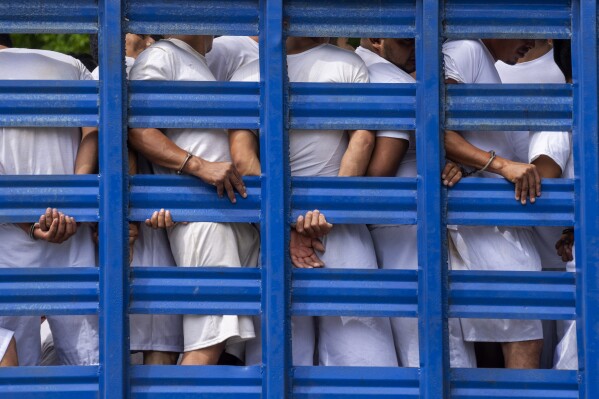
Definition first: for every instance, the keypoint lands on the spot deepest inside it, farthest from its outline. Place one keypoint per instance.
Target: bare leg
(523, 354)
(10, 358)
(161, 358)
(204, 356)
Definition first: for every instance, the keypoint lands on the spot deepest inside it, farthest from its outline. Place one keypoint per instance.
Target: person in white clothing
(158, 337)
(229, 53)
(552, 153)
(491, 154)
(342, 341)
(203, 153)
(8, 349)
(392, 61)
(56, 240)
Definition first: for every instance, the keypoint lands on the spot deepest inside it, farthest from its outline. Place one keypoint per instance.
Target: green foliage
(63, 43)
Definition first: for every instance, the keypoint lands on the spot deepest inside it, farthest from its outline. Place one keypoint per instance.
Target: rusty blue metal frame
(275, 292)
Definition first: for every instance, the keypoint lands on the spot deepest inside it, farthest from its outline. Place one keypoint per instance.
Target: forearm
(387, 155)
(357, 156)
(461, 151)
(157, 148)
(244, 152)
(547, 167)
(87, 155)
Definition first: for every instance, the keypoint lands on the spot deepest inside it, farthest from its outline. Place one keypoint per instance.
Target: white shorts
(209, 245)
(397, 249)
(149, 332)
(5, 337)
(495, 248)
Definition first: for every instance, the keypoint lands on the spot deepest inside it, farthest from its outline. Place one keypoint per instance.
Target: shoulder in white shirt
(229, 53)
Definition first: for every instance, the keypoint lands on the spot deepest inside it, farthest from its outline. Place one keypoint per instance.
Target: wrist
(498, 165)
(193, 166)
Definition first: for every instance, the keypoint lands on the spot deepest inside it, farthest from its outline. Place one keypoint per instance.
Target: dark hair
(562, 54)
(5, 40)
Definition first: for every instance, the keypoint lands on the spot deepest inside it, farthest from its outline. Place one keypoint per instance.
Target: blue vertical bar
(586, 163)
(276, 272)
(114, 345)
(432, 238)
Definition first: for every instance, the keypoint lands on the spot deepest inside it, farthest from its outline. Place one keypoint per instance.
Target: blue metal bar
(355, 383)
(275, 209)
(191, 200)
(65, 382)
(330, 292)
(183, 17)
(48, 103)
(512, 295)
(113, 229)
(192, 104)
(586, 167)
(479, 201)
(48, 16)
(352, 106)
(49, 291)
(513, 384)
(538, 19)
(351, 18)
(156, 290)
(509, 107)
(432, 236)
(195, 382)
(25, 198)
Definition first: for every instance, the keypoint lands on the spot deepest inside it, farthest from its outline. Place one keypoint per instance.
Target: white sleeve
(96, 73)
(217, 61)
(153, 64)
(555, 145)
(361, 74)
(460, 61)
(394, 134)
(84, 73)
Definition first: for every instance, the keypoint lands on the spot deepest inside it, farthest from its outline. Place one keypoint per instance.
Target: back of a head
(562, 54)
(5, 40)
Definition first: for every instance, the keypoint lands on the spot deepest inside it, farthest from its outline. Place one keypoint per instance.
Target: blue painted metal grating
(275, 291)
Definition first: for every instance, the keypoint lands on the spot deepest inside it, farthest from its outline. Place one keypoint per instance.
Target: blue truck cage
(275, 291)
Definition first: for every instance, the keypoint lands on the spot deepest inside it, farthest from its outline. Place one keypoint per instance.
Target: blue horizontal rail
(49, 291)
(193, 104)
(509, 107)
(512, 295)
(192, 382)
(65, 382)
(383, 18)
(355, 382)
(48, 16)
(355, 292)
(183, 290)
(312, 105)
(513, 384)
(352, 106)
(25, 198)
(191, 200)
(357, 200)
(231, 17)
(48, 103)
(538, 19)
(319, 292)
(482, 201)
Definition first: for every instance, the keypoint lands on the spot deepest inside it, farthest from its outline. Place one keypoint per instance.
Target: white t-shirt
(129, 61)
(41, 151)
(382, 71)
(316, 152)
(175, 60)
(541, 70)
(469, 61)
(229, 53)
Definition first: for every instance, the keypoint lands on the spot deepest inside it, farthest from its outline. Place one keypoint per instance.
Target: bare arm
(357, 156)
(525, 176)
(547, 167)
(245, 152)
(159, 149)
(386, 157)
(87, 155)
